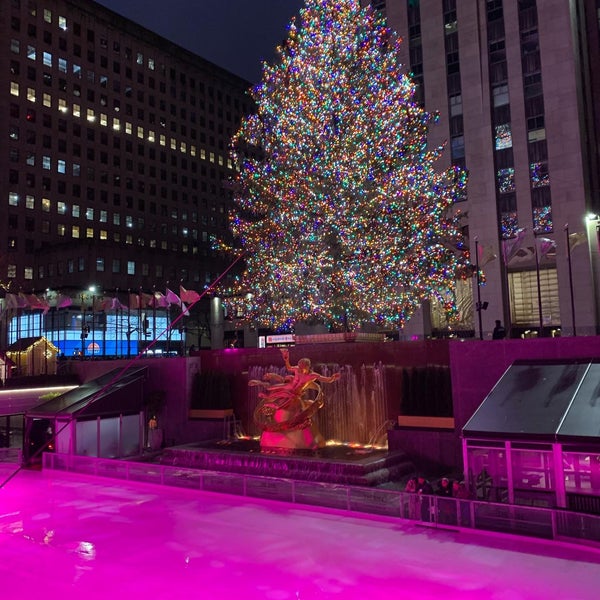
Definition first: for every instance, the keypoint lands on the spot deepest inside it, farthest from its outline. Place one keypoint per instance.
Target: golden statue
(285, 411)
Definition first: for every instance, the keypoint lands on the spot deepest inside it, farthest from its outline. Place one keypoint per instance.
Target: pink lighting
(66, 536)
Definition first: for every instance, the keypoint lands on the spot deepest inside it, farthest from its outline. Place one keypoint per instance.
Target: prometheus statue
(285, 411)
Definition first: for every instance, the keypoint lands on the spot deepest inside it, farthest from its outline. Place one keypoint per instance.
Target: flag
(146, 300)
(189, 296)
(14, 301)
(510, 246)
(576, 239)
(32, 301)
(63, 301)
(116, 304)
(159, 301)
(545, 245)
(486, 255)
(100, 304)
(134, 301)
(172, 298)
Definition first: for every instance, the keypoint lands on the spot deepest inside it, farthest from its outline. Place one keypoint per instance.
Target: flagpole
(539, 287)
(570, 279)
(478, 307)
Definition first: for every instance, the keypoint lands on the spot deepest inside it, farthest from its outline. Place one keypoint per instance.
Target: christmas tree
(339, 211)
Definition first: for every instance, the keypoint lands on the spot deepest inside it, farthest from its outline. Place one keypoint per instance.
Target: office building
(516, 85)
(115, 151)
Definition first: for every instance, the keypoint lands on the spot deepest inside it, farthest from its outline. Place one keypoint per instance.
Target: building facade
(516, 86)
(115, 148)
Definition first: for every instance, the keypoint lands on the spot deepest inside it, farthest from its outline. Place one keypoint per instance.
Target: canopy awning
(542, 400)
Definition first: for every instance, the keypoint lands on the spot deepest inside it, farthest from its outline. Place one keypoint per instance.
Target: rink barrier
(433, 511)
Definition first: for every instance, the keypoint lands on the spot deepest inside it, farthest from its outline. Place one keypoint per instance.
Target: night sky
(234, 34)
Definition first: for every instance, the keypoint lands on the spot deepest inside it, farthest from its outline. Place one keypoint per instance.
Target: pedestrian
(425, 491)
(499, 332)
(412, 500)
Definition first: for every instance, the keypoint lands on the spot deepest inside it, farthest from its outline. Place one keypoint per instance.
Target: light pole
(570, 279)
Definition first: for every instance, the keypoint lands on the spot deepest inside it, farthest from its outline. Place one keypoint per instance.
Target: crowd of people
(422, 505)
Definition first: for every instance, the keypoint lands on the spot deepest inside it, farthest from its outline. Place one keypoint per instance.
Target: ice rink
(66, 536)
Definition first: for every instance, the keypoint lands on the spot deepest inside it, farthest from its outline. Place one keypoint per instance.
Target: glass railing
(433, 511)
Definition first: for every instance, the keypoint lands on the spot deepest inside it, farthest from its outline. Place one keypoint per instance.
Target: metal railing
(434, 511)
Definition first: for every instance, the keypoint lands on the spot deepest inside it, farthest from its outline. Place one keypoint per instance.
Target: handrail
(434, 511)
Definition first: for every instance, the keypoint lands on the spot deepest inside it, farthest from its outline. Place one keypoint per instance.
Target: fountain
(328, 437)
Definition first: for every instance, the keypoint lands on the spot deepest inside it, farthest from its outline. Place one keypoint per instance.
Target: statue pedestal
(302, 439)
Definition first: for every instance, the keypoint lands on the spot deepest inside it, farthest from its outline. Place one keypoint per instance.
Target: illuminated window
(140, 132)
(100, 265)
(162, 139)
(61, 166)
(151, 137)
(47, 59)
(46, 162)
(116, 124)
(103, 119)
(11, 271)
(15, 46)
(129, 239)
(13, 199)
(31, 52)
(61, 208)
(62, 65)
(103, 234)
(62, 105)
(75, 231)
(76, 110)
(14, 88)
(151, 64)
(128, 127)
(61, 230)
(30, 159)
(47, 15)
(89, 232)
(31, 94)
(89, 214)
(173, 144)
(75, 210)
(77, 71)
(62, 23)
(91, 116)
(47, 100)
(28, 272)
(46, 204)
(30, 202)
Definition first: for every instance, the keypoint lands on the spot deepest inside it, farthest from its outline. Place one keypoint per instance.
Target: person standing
(499, 332)
(425, 493)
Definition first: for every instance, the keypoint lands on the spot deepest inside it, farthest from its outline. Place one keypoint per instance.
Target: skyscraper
(516, 85)
(114, 149)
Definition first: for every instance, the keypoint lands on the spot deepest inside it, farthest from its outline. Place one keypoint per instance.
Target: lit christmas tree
(342, 218)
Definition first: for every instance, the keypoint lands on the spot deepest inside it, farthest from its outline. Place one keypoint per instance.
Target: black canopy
(542, 400)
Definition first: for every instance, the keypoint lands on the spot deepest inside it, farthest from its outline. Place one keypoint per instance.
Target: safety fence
(434, 511)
